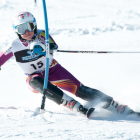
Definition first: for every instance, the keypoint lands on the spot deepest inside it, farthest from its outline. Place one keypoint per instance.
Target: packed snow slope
(103, 25)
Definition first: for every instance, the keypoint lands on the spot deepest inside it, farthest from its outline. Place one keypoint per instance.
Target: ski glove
(38, 48)
(53, 47)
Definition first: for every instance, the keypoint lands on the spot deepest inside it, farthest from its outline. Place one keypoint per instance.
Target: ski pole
(71, 51)
(47, 58)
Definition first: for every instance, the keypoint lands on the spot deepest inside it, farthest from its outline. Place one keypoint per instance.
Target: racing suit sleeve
(6, 54)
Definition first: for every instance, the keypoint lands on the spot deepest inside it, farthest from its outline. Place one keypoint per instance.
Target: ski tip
(89, 112)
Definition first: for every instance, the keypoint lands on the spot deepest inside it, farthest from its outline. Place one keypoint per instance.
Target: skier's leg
(36, 82)
(90, 94)
(63, 79)
(66, 81)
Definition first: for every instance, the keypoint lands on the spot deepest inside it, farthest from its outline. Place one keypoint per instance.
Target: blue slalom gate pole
(47, 57)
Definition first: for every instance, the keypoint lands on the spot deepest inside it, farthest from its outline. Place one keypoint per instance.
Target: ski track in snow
(23, 123)
(75, 25)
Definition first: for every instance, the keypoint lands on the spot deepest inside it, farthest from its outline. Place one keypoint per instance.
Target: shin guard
(89, 94)
(52, 92)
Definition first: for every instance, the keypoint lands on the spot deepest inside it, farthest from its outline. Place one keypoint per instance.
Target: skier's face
(28, 35)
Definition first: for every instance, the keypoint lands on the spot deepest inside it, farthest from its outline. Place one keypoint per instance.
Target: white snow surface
(96, 25)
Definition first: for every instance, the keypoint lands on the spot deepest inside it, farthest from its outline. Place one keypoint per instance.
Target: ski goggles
(26, 26)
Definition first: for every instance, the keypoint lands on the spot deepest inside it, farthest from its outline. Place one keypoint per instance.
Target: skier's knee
(52, 92)
(37, 83)
(90, 94)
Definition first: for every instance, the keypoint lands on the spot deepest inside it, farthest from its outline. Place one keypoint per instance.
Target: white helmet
(24, 21)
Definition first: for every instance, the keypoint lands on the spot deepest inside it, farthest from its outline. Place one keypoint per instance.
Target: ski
(86, 112)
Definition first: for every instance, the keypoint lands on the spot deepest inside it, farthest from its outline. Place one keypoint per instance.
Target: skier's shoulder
(16, 45)
(41, 34)
(9, 47)
(14, 42)
(41, 38)
(7, 50)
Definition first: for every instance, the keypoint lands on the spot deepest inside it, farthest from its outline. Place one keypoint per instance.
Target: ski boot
(117, 108)
(86, 112)
(75, 106)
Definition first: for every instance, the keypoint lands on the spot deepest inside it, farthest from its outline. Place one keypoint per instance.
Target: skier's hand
(53, 47)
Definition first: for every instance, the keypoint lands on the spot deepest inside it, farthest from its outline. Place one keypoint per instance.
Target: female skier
(33, 65)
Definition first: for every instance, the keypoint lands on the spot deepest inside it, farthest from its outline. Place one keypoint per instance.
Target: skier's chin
(29, 37)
